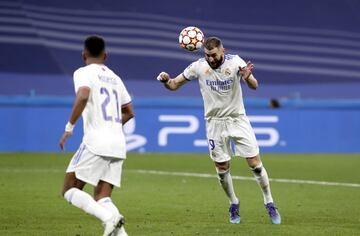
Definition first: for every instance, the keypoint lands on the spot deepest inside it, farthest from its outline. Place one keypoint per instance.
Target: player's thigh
(245, 143)
(218, 141)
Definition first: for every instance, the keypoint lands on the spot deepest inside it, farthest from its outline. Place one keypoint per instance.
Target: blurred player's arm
(246, 73)
(81, 99)
(171, 84)
(127, 112)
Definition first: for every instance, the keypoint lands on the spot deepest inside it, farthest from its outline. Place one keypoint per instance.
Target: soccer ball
(191, 38)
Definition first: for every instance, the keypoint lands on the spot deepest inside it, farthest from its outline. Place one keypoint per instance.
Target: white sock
(107, 203)
(227, 184)
(262, 179)
(85, 202)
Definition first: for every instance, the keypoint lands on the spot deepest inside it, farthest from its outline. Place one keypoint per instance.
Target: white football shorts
(220, 133)
(92, 168)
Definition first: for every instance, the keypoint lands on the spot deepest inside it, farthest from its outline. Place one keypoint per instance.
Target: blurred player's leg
(72, 193)
(102, 193)
(109, 205)
(262, 179)
(225, 179)
(85, 202)
(226, 183)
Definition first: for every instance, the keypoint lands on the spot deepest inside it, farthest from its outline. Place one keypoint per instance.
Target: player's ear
(105, 56)
(83, 55)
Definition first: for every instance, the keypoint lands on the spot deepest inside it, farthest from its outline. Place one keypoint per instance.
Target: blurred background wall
(306, 56)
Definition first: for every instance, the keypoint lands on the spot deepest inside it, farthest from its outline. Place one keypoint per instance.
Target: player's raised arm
(171, 84)
(248, 77)
(81, 99)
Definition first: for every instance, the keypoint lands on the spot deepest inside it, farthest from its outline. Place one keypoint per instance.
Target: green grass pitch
(163, 204)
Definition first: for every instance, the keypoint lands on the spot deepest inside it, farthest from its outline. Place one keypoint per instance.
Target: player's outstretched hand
(246, 70)
(64, 137)
(163, 77)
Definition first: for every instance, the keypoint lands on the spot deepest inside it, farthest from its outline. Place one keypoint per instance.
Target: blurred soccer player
(105, 105)
(219, 78)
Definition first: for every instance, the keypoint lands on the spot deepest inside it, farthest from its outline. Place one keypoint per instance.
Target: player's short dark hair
(95, 45)
(212, 42)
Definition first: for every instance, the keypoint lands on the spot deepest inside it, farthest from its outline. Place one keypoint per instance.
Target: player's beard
(216, 63)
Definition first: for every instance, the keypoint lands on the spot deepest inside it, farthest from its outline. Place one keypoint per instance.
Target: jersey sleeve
(190, 73)
(125, 96)
(239, 61)
(81, 79)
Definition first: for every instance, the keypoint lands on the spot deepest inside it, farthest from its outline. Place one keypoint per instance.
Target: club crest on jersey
(227, 72)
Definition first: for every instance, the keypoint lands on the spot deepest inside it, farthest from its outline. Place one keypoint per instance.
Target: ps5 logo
(270, 132)
(189, 124)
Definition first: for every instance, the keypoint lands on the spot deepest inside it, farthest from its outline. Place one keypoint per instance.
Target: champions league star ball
(191, 38)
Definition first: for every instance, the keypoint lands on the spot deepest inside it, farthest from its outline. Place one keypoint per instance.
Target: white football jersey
(103, 132)
(220, 88)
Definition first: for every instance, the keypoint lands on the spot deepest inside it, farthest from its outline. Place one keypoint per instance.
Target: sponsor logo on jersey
(219, 85)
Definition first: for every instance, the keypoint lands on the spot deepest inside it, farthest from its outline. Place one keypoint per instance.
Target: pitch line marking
(201, 175)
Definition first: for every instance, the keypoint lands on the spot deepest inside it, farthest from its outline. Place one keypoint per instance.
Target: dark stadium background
(306, 56)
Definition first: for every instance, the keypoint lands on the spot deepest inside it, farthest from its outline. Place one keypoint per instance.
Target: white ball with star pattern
(191, 38)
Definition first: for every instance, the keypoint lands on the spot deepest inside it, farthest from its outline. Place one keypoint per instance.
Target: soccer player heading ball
(219, 76)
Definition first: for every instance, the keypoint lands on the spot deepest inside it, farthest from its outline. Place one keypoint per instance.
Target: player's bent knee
(71, 181)
(222, 166)
(222, 169)
(257, 169)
